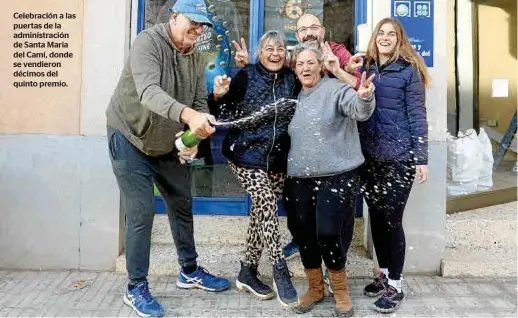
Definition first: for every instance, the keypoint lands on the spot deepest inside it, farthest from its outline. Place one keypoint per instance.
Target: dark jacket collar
(267, 74)
(395, 66)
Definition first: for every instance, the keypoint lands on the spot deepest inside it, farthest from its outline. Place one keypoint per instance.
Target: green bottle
(187, 140)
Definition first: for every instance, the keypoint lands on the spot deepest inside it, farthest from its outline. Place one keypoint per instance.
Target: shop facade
(59, 188)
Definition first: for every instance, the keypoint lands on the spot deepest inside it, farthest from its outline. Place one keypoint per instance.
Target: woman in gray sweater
(323, 178)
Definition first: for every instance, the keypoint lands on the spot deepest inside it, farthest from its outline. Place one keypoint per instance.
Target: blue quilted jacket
(397, 130)
(262, 143)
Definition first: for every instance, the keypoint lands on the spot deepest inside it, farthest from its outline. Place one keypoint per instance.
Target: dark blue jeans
(136, 173)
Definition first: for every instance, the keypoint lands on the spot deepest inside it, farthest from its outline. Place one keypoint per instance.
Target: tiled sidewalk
(76, 293)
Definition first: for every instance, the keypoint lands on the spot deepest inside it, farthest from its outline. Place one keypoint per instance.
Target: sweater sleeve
(344, 56)
(146, 68)
(416, 112)
(351, 105)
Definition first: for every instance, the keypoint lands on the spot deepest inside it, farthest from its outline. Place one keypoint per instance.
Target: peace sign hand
(330, 60)
(355, 62)
(366, 88)
(242, 57)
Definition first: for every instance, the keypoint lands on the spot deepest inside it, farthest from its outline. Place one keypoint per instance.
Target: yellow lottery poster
(282, 15)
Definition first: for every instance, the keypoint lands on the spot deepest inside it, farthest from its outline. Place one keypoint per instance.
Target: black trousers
(386, 187)
(319, 210)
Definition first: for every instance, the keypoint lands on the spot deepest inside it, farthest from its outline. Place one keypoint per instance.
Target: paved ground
(74, 293)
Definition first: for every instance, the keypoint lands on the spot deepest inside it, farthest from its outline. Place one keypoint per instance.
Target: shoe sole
(247, 289)
(193, 286)
(280, 300)
(303, 310)
(350, 313)
(386, 311)
(128, 303)
(292, 256)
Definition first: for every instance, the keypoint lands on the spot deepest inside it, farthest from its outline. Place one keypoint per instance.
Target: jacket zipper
(274, 125)
(378, 71)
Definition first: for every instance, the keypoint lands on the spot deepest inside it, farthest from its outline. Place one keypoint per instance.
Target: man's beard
(313, 45)
(315, 42)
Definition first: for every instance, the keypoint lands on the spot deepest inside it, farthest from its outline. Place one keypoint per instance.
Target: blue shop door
(340, 18)
(214, 188)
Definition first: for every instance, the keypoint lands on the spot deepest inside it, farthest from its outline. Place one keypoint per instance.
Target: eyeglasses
(196, 25)
(270, 50)
(314, 28)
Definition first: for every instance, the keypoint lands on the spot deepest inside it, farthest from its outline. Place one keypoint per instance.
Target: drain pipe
(456, 56)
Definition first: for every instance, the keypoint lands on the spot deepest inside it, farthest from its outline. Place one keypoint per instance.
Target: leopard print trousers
(265, 189)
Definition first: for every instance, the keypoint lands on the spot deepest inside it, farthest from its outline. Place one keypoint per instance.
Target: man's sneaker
(389, 301)
(377, 287)
(247, 281)
(139, 299)
(291, 250)
(327, 281)
(286, 293)
(202, 279)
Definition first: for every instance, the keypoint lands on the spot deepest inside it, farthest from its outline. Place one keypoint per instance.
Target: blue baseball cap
(195, 10)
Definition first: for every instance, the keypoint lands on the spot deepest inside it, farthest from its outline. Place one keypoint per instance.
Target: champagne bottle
(187, 140)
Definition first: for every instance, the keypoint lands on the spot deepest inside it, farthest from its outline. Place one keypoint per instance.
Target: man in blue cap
(161, 90)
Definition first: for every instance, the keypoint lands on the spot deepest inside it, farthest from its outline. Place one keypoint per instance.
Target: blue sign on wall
(417, 19)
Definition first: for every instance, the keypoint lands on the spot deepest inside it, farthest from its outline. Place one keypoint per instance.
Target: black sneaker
(247, 281)
(286, 293)
(377, 287)
(389, 301)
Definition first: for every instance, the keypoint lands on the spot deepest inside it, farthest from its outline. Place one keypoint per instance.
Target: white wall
(105, 45)
(60, 200)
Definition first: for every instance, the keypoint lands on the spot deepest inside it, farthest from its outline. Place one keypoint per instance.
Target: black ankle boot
(286, 292)
(247, 281)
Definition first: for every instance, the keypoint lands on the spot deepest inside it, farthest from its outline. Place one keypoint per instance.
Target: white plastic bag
(485, 178)
(464, 163)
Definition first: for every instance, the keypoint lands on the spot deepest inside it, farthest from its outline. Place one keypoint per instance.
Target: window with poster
(338, 18)
(215, 190)
(230, 20)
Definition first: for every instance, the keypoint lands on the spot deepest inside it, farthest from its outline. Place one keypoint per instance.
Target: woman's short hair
(273, 37)
(299, 48)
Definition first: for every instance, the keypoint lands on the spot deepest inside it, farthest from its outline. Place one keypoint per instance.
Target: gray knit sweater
(323, 131)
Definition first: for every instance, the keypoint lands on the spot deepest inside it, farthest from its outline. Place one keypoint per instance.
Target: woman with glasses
(257, 153)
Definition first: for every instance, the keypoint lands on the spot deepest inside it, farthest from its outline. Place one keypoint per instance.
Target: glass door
(215, 190)
(339, 18)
